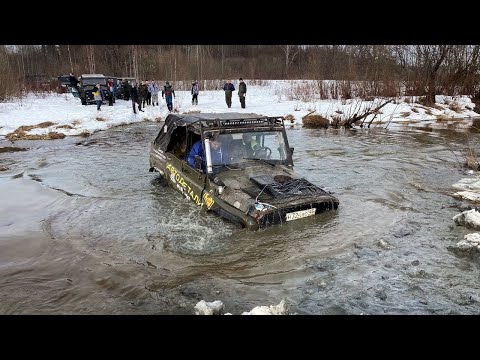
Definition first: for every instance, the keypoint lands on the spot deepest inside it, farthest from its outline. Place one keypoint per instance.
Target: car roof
(93, 76)
(199, 122)
(191, 118)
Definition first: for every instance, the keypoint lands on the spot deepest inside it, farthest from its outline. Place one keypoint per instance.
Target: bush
(315, 122)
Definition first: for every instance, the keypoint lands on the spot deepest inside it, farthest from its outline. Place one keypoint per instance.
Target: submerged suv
(254, 185)
(86, 85)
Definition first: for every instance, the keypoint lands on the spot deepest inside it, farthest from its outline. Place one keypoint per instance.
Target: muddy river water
(86, 229)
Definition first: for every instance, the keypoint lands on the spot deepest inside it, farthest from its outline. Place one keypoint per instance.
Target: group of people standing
(242, 92)
(141, 95)
(147, 94)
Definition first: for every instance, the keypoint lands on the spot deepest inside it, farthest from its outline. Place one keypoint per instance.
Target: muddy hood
(277, 187)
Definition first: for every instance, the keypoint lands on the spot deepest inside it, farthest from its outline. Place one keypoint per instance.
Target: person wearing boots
(168, 92)
(154, 90)
(242, 91)
(195, 93)
(98, 96)
(228, 88)
(135, 98)
(142, 94)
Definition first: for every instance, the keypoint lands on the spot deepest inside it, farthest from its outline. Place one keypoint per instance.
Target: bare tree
(91, 58)
(430, 58)
(290, 52)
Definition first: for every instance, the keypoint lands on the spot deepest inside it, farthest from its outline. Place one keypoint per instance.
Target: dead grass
(315, 122)
(428, 112)
(337, 122)
(290, 118)
(21, 133)
(3, 168)
(64, 127)
(11, 149)
(415, 110)
(100, 119)
(158, 119)
(443, 118)
(23, 136)
(471, 160)
(76, 122)
(454, 106)
(42, 125)
(424, 128)
(84, 134)
(475, 125)
(405, 114)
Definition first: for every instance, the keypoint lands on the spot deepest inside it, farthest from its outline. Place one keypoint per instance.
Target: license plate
(300, 214)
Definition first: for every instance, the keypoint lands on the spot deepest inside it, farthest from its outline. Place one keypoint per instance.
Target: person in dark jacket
(134, 96)
(228, 88)
(143, 93)
(168, 92)
(73, 81)
(242, 91)
(195, 93)
(126, 90)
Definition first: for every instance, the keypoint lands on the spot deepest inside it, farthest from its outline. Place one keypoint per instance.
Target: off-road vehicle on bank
(86, 85)
(253, 186)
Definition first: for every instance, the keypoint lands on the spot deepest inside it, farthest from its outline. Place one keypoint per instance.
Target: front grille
(278, 216)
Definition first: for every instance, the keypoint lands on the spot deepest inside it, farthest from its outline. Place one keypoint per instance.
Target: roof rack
(264, 120)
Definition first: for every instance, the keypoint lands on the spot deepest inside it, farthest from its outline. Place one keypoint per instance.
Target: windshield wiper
(262, 160)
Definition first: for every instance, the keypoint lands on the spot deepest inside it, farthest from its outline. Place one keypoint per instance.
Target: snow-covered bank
(277, 98)
(470, 190)
(217, 308)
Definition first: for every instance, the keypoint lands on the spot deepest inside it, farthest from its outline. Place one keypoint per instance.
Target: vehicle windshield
(94, 81)
(244, 147)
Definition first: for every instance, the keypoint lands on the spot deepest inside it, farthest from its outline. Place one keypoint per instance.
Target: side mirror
(198, 162)
(291, 151)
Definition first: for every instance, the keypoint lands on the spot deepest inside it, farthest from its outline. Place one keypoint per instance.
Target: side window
(178, 143)
(192, 138)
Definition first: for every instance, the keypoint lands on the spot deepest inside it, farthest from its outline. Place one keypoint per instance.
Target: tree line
(385, 70)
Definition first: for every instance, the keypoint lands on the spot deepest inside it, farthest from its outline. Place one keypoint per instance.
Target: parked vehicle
(86, 84)
(65, 85)
(252, 188)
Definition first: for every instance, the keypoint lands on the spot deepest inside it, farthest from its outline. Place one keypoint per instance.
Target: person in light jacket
(154, 90)
(98, 96)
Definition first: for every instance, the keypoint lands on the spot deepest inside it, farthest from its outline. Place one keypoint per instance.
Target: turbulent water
(86, 229)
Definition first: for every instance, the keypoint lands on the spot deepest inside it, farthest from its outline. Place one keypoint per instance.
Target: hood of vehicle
(277, 186)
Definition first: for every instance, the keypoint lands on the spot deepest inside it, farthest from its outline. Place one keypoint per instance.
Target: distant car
(64, 81)
(86, 84)
(255, 187)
